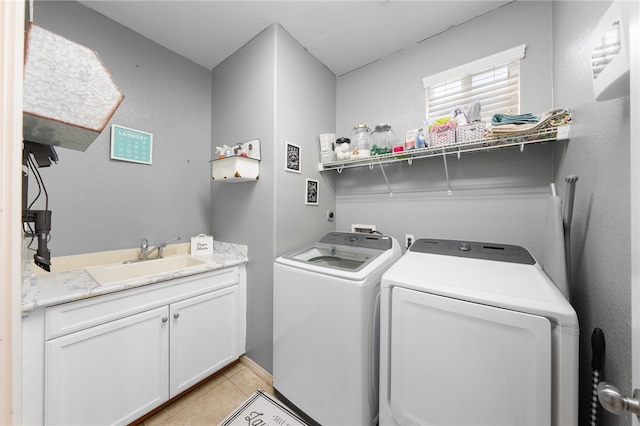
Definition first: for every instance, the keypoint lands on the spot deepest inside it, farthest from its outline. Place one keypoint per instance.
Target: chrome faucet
(144, 248)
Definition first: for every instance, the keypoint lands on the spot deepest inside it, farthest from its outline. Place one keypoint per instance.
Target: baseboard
(259, 371)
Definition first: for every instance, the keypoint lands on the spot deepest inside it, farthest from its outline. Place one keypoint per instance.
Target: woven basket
(470, 133)
(443, 137)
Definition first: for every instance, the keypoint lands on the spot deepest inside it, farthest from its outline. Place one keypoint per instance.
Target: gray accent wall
(600, 234)
(102, 204)
(500, 196)
(496, 196)
(271, 89)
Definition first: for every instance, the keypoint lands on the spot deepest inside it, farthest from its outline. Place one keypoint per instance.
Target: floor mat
(262, 409)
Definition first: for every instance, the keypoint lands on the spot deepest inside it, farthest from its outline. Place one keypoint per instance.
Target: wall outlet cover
(408, 240)
(365, 229)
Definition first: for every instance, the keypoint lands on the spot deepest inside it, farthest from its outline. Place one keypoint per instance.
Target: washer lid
(348, 255)
(518, 286)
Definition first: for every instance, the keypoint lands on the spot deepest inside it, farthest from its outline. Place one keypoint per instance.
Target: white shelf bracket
(521, 147)
(564, 132)
(410, 161)
(371, 166)
(386, 180)
(458, 154)
(446, 171)
(339, 169)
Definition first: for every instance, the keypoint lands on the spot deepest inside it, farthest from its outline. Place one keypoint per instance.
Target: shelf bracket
(386, 180)
(446, 171)
(410, 161)
(521, 147)
(339, 169)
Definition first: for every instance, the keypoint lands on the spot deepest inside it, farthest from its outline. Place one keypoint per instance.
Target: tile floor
(214, 400)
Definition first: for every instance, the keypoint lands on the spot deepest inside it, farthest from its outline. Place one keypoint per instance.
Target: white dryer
(475, 334)
(326, 322)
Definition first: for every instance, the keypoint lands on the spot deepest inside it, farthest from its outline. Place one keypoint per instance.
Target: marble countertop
(42, 290)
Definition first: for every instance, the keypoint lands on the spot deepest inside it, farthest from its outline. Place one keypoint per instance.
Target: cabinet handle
(165, 319)
(176, 315)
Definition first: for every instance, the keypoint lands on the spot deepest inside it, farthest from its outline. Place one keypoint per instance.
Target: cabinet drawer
(75, 316)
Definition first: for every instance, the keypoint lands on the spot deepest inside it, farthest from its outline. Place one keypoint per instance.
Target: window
(493, 81)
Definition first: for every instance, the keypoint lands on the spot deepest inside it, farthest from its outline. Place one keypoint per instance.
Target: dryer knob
(464, 247)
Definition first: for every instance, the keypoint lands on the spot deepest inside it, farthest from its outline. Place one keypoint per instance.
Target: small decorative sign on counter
(202, 245)
(131, 145)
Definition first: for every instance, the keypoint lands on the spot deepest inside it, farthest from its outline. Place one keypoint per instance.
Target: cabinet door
(108, 374)
(204, 336)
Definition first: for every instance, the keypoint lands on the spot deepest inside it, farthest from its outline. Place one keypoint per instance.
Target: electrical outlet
(330, 215)
(408, 240)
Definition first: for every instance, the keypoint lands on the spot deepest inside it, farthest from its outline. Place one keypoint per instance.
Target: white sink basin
(115, 273)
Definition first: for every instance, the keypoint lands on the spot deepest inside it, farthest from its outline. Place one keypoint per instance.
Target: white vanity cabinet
(111, 359)
(204, 337)
(108, 374)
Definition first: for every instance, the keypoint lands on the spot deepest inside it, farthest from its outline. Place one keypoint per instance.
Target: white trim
(11, 87)
(475, 66)
(634, 62)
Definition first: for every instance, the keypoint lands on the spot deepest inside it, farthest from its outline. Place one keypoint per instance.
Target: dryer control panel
(474, 250)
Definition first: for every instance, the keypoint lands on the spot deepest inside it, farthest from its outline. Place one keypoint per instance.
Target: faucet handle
(144, 245)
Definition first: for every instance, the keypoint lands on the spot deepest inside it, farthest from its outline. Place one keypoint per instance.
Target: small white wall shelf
(551, 134)
(242, 165)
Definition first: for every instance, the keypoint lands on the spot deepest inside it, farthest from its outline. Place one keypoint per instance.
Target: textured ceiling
(343, 35)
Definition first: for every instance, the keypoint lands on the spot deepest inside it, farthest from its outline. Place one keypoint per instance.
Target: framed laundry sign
(131, 145)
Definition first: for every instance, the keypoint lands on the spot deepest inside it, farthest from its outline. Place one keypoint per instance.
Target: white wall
(273, 90)
(102, 204)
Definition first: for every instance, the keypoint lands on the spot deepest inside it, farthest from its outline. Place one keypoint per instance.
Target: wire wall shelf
(511, 140)
(486, 144)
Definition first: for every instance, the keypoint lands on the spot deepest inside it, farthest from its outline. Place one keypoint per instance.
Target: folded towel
(553, 118)
(502, 119)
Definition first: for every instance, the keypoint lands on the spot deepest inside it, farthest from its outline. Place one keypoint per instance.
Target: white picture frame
(292, 157)
(312, 192)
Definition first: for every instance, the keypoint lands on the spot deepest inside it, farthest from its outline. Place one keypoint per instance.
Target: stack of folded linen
(502, 124)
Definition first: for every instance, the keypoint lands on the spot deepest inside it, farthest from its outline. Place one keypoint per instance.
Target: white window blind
(494, 81)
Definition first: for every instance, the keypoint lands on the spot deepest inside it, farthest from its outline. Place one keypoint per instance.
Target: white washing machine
(475, 334)
(326, 327)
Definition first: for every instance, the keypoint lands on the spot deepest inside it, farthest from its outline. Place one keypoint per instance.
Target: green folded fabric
(502, 119)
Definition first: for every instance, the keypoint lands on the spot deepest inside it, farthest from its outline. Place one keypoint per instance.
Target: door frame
(12, 18)
(634, 48)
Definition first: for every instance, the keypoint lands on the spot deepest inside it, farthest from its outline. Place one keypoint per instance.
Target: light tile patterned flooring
(214, 400)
